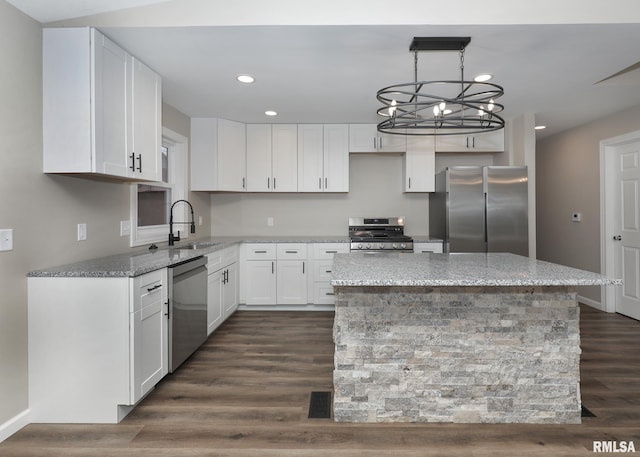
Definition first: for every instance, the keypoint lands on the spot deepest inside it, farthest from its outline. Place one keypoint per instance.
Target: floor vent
(320, 405)
(587, 413)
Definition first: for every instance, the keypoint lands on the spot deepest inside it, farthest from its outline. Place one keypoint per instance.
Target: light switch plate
(6, 239)
(82, 232)
(125, 228)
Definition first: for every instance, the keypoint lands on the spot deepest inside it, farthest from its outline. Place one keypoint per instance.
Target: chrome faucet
(172, 237)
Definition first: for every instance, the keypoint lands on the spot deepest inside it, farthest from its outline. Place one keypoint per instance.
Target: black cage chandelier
(440, 107)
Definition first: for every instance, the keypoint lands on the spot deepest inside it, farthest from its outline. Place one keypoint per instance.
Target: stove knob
(359, 245)
(380, 245)
(368, 245)
(395, 246)
(403, 246)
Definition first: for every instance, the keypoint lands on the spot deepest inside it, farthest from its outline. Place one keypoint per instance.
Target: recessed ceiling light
(270, 113)
(483, 78)
(540, 127)
(246, 79)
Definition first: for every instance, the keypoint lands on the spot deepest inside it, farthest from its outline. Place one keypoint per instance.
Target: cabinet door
(149, 332)
(214, 300)
(261, 282)
(146, 119)
(391, 143)
(336, 158)
(363, 138)
(284, 159)
(204, 153)
(110, 92)
(480, 142)
(231, 163)
(310, 158)
(292, 282)
(259, 176)
(230, 290)
(419, 165)
(422, 248)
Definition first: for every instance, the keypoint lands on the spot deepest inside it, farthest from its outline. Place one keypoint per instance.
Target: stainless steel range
(378, 234)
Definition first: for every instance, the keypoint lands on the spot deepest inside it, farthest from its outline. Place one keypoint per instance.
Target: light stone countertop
(472, 269)
(141, 260)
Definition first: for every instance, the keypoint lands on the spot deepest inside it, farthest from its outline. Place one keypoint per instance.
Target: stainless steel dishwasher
(187, 309)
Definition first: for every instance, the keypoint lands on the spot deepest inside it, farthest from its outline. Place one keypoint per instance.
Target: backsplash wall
(375, 189)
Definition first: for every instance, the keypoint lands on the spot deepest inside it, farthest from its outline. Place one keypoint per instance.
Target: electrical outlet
(82, 232)
(199, 220)
(6, 239)
(125, 228)
(270, 221)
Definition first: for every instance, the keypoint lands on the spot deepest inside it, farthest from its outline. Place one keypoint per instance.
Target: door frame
(607, 204)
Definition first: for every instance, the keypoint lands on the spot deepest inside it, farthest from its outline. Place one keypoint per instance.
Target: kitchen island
(491, 338)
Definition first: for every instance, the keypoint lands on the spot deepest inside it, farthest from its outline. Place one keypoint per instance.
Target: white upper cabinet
(480, 142)
(272, 158)
(323, 158)
(366, 138)
(419, 164)
(146, 119)
(101, 107)
(218, 155)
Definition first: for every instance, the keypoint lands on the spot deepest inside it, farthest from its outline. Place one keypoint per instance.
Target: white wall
(568, 167)
(43, 210)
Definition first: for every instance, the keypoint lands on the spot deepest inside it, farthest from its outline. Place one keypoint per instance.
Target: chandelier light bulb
(481, 111)
(392, 108)
(442, 106)
(436, 110)
(490, 105)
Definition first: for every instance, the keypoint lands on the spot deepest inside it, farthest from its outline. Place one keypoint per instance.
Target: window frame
(178, 147)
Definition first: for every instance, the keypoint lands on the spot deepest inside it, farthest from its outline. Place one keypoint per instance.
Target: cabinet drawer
(323, 251)
(148, 289)
(261, 251)
(322, 270)
(323, 293)
(230, 255)
(292, 251)
(435, 247)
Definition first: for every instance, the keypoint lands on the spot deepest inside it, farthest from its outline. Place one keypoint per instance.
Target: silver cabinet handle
(326, 183)
(268, 186)
(291, 252)
(151, 289)
(259, 252)
(272, 267)
(331, 252)
(320, 183)
(274, 183)
(303, 267)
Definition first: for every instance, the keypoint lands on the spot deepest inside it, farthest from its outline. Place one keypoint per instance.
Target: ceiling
(562, 73)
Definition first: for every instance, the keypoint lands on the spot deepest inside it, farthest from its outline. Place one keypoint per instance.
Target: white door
(627, 229)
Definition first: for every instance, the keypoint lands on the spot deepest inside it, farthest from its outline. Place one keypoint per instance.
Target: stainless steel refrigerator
(481, 209)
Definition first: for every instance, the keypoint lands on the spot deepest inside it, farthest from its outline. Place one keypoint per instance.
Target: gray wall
(568, 169)
(43, 210)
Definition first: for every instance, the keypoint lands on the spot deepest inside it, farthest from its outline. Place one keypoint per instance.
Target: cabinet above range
(101, 108)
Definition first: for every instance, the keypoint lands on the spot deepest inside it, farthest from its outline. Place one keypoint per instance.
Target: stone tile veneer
(457, 354)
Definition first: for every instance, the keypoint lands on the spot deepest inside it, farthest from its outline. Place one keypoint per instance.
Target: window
(151, 202)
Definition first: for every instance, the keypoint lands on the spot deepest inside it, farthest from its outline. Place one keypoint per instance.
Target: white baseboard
(588, 301)
(13, 425)
(306, 307)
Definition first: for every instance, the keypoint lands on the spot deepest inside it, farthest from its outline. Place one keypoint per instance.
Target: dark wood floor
(246, 393)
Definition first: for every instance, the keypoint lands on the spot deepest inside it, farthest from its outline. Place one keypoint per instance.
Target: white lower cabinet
(222, 290)
(96, 345)
(259, 274)
(292, 272)
(321, 291)
(275, 274)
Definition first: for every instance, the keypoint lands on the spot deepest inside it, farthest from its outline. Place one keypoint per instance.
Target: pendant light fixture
(448, 107)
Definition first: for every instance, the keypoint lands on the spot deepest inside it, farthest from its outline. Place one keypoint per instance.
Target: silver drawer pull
(151, 289)
(327, 271)
(329, 293)
(331, 252)
(291, 252)
(259, 252)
